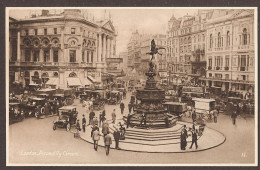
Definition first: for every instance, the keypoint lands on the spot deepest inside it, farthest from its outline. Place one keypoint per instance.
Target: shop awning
(91, 79)
(87, 82)
(74, 81)
(52, 81)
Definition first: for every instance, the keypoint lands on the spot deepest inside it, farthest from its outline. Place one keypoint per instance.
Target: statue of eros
(154, 50)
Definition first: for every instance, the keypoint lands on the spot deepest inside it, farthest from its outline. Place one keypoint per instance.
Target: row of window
(46, 56)
(241, 61)
(45, 31)
(72, 31)
(244, 39)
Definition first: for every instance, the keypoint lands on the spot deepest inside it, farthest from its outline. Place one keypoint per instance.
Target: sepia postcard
(122, 86)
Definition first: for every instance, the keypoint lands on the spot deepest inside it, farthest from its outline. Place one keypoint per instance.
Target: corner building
(59, 49)
(230, 50)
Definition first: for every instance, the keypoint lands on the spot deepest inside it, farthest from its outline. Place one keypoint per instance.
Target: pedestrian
(114, 116)
(100, 119)
(95, 127)
(95, 121)
(128, 120)
(194, 116)
(194, 139)
(116, 137)
(143, 119)
(184, 136)
(78, 126)
(215, 114)
(91, 116)
(122, 107)
(233, 117)
(84, 123)
(96, 137)
(105, 128)
(107, 142)
(130, 107)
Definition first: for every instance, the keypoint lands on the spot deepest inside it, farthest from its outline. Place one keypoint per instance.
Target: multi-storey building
(60, 49)
(230, 50)
(139, 57)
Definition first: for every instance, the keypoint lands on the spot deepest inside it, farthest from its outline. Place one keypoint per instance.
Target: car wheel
(68, 127)
(54, 127)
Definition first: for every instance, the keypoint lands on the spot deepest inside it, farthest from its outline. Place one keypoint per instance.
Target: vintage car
(175, 108)
(114, 97)
(67, 117)
(15, 113)
(68, 95)
(30, 107)
(203, 107)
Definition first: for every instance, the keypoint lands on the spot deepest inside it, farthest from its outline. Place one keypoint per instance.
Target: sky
(126, 20)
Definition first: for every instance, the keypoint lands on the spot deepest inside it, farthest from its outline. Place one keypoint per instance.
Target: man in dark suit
(84, 123)
(194, 139)
(184, 136)
(116, 137)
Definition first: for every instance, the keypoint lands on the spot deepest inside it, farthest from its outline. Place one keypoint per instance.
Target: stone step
(153, 134)
(152, 137)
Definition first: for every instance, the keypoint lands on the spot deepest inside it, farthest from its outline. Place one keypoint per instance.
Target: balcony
(209, 67)
(217, 68)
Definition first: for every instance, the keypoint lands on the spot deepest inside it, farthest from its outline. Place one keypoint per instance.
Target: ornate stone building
(59, 49)
(230, 50)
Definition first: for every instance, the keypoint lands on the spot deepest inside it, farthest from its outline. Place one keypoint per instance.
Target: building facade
(60, 49)
(230, 50)
(138, 59)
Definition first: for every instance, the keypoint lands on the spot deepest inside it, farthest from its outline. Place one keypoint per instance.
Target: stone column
(18, 46)
(108, 47)
(95, 53)
(104, 48)
(99, 47)
(112, 49)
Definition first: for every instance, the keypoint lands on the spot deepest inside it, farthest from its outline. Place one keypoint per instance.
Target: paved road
(33, 141)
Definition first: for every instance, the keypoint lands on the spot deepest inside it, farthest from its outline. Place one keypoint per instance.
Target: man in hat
(194, 139)
(122, 107)
(113, 116)
(116, 137)
(91, 116)
(107, 142)
(78, 125)
(95, 127)
(184, 136)
(128, 120)
(84, 123)
(96, 137)
(95, 121)
(105, 128)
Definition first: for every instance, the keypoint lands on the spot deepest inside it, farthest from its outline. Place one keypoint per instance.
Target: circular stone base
(161, 140)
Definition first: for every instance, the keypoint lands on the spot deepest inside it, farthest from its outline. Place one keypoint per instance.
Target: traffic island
(160, 140)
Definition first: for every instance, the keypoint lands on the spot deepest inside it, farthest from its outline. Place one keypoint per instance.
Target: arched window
(228, 39)
(72, 74)
(219, 40)
(26, 74)
(55, 74)
(210, 41)
(244, 36)
(36, 73)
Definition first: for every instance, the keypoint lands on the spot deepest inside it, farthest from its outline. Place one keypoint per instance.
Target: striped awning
(87, 82)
